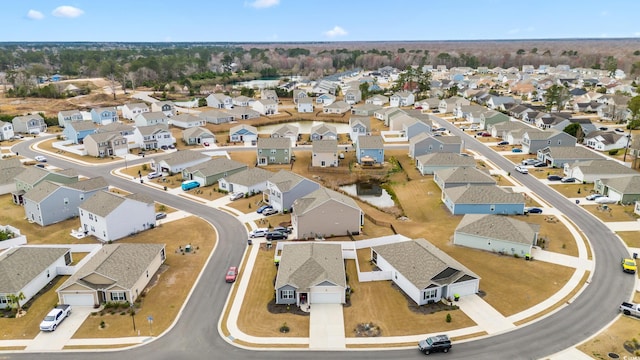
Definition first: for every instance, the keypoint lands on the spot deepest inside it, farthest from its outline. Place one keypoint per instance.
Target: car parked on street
(521, 169)
(568, 180)
(40, 158)
(231, 275)
(270, 211)
(435, 344)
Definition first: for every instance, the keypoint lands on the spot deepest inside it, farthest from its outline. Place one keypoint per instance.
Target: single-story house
(324, 153)
(284, 187)
(288, 131)
(462, 176)
(323, 131)
(423, 272)
(210, 171)
(364, 110)
(428, 164)
(186, 121)
(625, 189)
(558, 156)
(243, 113)
(591, 170)
(426, 143)
(470, 199)
(606, 140)
(175, 162)
(497, 233)
(378, 100)
(117, 273)
(325, 99)
(299, 95)
(216, 116)
(197, 136)
(109, 216)
(273, 151)
(325, 212)
(338, 107)
(243, 133)
(151, 119)
(490, 118)
(28, 269)
(249, 181)
(311, 273)
(370, 149)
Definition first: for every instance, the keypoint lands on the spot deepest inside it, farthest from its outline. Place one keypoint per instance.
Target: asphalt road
(195, 334)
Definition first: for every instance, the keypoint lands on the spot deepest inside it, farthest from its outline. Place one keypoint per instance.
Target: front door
(303, 298)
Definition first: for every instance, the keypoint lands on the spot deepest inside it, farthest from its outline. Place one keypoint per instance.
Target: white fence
(67, 146)
(374, 276)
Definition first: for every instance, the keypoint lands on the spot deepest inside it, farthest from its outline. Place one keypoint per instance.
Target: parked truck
(630, 309)
(55, 317)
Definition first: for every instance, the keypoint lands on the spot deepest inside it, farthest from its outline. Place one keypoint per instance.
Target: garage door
(614, 195)
(78, 299)
(464, 288)
(325, 298)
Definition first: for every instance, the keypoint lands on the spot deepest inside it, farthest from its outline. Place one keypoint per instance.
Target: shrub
(284, 328)
(102, 324)
(448, 318)
(613, 151)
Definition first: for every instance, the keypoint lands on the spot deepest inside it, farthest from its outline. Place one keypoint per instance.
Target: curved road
(195, 334)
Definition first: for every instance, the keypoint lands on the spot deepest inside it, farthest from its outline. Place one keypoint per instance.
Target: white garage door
(614, 195)
(325, 298)
(464, 288)
(78, 299)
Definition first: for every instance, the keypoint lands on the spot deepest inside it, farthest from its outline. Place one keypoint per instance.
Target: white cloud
(336, 31)
(513, 31)
(67, 11)
(262, 4)
(35, 15)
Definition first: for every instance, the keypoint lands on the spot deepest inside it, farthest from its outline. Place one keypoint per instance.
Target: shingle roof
(180, 157)
(89, 184)
(82, 125)
(32, 174)
(465, 175)
(100, 137)
(286, 128)
(535, 134)
(20, 265)
(628, 185)
(274, 143)
(188, 118)
(324, 146)
(370, 142)
(104, 202)
(602, 167)
(308, 264)
(422, 263)
(250, 176)
(115, 127)
(240, 127)
(196, 132)
(136, 106)
(323, 128)
(571, 152)
(452, 159)
(155, 115)
(483, 195)
(286, 180)
(498, 227)
(319, 197)
(216, 166)
(153, 129)
(123, 263)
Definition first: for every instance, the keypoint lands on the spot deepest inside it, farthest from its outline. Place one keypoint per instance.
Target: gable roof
(216, 166)
(123, 263)
(32, 174)
(602, 166)
(625, 185)
(370, 142)
(104, 202)
(250, 176)
(115, 127)
(197, 131)
(423, 264)
(324, 146)
(483, 195)
(570, 152)
(465, 174)
(274, 143)
(245, 127)
(286, 180)
(20, 265)
(187, 118)
(180, 157)
(153, 129)
(320, 196)
(323, 128)
(286, 128)
(305, 265)
(443, 158)
(498, 227)
(82, 125)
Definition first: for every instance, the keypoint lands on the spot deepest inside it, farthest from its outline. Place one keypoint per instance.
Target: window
(272, 159)
(429, 294)
(118, 296)
(93, 228)
(4, 299)
(273, 151)
(287, 294)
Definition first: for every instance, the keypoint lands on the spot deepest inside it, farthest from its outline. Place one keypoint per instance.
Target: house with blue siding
(323, 131)
(414, 127)
(370, 149)
(426, 143)
(285, 187)
(243, 133)
(104, 115)
(473, 199)
(358, 126)
(76, 131)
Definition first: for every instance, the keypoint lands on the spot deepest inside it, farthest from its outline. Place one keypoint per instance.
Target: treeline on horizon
(193, 64)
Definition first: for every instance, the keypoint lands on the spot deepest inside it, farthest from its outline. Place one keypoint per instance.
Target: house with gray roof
(48, 203)
(249, 181)
(9, 169)
(359, 125)
(413, 127)
(311, 273)
(28, 269)
(151, 118)
(116, 273)
(590, 171)
(364, 109)
(304, 105)
(65, 116)
(370, 149)
(6, 131)
(378, 100)
(337, 107)
(186, 121)
(244, 113)
(131, 110)
(497, 233)
(219, 101)
(462, 176)
(324, 153)
(534, 140)
(101, 144)
(325, 213)
(490, 118)
(216, 116)
(428, 164)
(210, 171)
(265, 106)
(605, 140)
(153, 137)
(426, 143)
(625, 189)
(288, 131)
(29, 124)
(402, 98)
(425, 273)
(273, 151)
(197, 136)
(384, 114)
(558, 156)
(323, 131)
(284, 187)
(472, 199)
(502, 129)
(175, 162)
(109, 216)
(167, 107)
(33, 175)
(76, 131)
(243, 133)
(104, 115)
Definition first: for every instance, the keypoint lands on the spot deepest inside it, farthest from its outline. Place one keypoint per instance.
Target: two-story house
(29, 124)
(323, 131)
(76, 131)
(425, 143)
(151, 118)
(285, 187)
(288, 131)
(186, 121)
(401, 98)
(69, 115)
(154, 137)
(273, 151)
(532, 141)
(6, 130)
(265, 106)
(305, 105)
(166, 107)
(219, 101)
(359, 125)
(33, 175)
(324, 153)
(370, 149)
(104, 115)
(131, 110)
(106, 144)
(353, 96)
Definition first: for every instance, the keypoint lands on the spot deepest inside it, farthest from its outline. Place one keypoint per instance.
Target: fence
(67, 146)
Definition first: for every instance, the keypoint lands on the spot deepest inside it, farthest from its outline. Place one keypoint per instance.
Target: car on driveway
(593, 196)
(259, 232)
(532, 210)
(435, 344)
(231, 275)
(263, 208)
(568, 180)
(521, 169)
(153, 175)
(40, 158)
(236, 196)
(529, 161)
(270, 211)
(161, 215)
(276, 235)
(516, 150)
(629, 266)
(605, 200)
(540, 164)
(502, 143)
(619, 130)
(554, 177)
(282, 229)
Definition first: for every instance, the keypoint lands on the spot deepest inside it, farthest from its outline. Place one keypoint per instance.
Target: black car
(501, 143)
(540, 164)
(282, 229)
(435, 344)
(568, 180)
(554, 177)
(532, 210)
(276, 235)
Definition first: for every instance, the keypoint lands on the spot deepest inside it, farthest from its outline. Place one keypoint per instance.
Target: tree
(634, 107)
(534, 50)
(364, 89)
(556, 96)
(611, 65)
(14, 301)
(575, 130)
(520, 52)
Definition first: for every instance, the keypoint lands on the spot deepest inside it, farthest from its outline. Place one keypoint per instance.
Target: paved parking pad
(326, 327)
(56, 340)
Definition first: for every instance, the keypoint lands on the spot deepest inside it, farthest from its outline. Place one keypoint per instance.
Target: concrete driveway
(56, 340)
(326, 327)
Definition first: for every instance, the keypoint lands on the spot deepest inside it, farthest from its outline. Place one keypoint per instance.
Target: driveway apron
(56, 340)
(326, 327)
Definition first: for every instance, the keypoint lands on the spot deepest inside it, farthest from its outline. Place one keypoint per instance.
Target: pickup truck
(55, 317)
(630, 309)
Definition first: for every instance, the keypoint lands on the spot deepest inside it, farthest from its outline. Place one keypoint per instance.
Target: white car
(605, 200)
(40, 158)
(153, 175)
(521, 169)
(260, 232)
(236, 196)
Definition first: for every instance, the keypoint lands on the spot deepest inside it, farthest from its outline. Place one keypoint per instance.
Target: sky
(303, 20)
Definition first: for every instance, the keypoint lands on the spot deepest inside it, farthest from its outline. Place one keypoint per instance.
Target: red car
(232, 273)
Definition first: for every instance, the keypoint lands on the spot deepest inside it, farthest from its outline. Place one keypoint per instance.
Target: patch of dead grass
(47, 145)
(613, 212)
(612, 339)
(630, 238)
